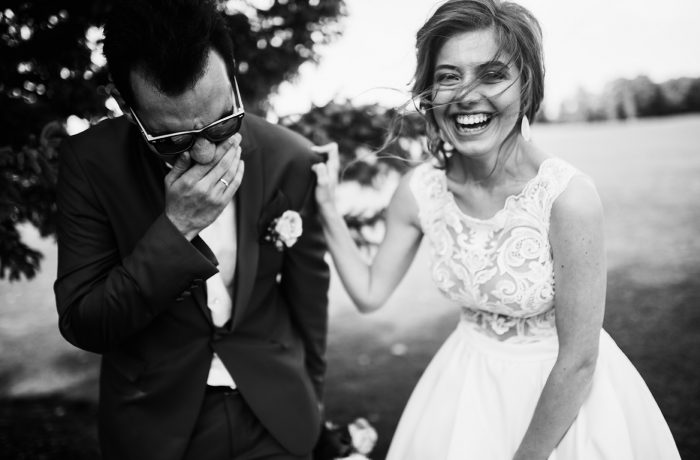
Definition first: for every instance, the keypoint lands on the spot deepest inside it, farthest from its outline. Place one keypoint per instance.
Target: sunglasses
(170, 145)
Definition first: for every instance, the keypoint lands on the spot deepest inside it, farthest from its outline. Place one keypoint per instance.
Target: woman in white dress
(516, 238)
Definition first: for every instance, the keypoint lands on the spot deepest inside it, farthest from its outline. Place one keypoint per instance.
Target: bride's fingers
(329, 152)
(321, 171)
(333, 159)
(325, 185)
(325, 150)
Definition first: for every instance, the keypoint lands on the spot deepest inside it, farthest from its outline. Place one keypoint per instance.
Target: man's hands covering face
(196, 193)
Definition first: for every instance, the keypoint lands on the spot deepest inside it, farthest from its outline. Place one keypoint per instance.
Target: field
(648, 176)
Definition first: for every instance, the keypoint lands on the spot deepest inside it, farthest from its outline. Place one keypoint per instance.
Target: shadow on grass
(49, 427)
(656, 326)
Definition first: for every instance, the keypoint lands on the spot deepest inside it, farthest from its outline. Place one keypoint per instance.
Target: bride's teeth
(471, 119)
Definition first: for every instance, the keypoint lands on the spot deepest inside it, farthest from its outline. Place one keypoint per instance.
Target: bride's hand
(327, 175)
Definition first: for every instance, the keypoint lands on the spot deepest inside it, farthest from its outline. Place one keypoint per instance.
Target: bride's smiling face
(476, 93)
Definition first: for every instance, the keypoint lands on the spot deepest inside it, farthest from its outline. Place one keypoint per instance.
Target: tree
(51, 68)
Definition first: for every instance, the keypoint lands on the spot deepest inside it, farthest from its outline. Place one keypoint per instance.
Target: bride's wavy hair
(518, 35)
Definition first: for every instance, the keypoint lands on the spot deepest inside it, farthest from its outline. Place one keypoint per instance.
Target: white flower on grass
(353, 441)
(355, 456)
(364, 437)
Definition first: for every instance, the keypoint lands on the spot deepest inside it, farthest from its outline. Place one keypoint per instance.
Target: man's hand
(195, 194)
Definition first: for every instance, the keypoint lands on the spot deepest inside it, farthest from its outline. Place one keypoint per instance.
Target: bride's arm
(369, 284)
(578, 251)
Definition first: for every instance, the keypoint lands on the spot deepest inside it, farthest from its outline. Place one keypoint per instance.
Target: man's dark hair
(167, 40)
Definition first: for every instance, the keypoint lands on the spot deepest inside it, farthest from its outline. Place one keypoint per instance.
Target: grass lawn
(648, 176)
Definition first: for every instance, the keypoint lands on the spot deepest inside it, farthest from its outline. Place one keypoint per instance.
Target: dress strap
(555, 177)
(428, 190)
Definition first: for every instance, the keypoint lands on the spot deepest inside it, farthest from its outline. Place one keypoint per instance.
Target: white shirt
(220, 236)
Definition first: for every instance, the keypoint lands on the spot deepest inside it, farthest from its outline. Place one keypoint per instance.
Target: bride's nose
(468, 94)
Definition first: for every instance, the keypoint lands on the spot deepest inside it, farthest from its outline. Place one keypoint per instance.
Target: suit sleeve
(102, 297)
(305, 280)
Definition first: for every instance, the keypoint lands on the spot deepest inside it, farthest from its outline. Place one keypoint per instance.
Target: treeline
(52, 68)
(639, 97)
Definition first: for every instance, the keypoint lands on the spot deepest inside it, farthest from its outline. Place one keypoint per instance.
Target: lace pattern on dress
(498, 269)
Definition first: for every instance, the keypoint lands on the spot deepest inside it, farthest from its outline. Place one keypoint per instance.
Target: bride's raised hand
(327, 175)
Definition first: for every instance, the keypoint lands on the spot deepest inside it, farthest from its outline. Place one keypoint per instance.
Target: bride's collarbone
(482, 201)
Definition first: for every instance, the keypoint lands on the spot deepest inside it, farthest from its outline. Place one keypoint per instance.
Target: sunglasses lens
(222, 131)
(173, 145)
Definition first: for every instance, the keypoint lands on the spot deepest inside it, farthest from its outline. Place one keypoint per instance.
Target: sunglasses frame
(237, 101)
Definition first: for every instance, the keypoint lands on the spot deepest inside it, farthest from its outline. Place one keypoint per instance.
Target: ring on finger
(224, 181)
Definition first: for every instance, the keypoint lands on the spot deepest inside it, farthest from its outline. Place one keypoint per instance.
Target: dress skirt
(476, 398)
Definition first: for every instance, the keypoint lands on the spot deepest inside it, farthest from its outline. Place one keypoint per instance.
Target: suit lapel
(248, 204)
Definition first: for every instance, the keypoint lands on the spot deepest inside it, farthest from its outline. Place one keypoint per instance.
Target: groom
(175, 263)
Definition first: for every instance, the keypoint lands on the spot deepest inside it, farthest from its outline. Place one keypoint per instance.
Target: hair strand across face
(518, 36)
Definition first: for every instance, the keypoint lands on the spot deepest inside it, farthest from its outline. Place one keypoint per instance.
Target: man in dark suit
(211, 323)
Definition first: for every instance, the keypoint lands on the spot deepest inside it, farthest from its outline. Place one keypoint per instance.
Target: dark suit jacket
(132, 288)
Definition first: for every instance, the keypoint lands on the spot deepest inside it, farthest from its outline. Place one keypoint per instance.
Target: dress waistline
(531, 348)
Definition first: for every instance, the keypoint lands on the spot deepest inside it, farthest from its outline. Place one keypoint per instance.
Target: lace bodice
(499, 269)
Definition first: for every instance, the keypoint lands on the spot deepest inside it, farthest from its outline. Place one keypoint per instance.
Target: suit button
(179, 299)
(218, 334)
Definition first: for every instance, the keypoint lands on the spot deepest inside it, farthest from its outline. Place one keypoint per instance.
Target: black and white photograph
(349, 230)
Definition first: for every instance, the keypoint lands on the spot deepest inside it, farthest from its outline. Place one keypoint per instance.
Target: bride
(516, 238)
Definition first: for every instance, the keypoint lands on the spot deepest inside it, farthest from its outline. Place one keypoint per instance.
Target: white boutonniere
(285, 230)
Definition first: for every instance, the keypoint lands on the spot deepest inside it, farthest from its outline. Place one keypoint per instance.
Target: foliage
(27, 180)
(372, 141)
(361, 133)
(638, 97)
(51, 68)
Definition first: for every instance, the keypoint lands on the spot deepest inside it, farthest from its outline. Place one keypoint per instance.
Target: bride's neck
(488, 170)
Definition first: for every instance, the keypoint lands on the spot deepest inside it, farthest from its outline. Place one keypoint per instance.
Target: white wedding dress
(477, 396)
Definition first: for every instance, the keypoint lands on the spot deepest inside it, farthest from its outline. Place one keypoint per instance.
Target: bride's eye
(494, 76)
(446, 79)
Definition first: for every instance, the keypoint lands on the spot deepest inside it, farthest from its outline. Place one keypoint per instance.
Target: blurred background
(622, 103)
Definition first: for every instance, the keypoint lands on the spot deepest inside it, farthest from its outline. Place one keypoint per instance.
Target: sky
(586, 43)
